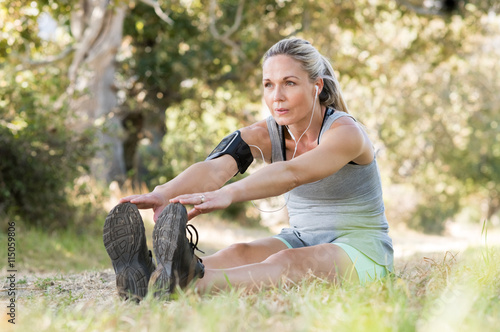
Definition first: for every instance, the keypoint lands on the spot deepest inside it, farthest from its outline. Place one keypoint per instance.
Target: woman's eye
(290, 83)
(267, 85)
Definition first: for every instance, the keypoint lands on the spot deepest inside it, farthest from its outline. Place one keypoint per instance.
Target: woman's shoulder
(347, 129)
(257, 137)
(339, 119)
(344, 120)
(335, 116)
(256, 129)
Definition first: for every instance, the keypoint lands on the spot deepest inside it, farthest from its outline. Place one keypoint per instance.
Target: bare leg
(291, 265)
(243, 253)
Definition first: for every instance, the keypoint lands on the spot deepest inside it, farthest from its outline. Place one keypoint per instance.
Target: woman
(319, 156)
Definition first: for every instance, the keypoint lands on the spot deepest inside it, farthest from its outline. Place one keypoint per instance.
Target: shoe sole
(124, 238)
(170, 225)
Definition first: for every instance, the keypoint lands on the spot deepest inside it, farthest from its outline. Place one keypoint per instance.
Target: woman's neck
(308, 129)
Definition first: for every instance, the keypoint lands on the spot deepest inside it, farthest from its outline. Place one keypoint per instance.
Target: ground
(410, 247)
(423, 264)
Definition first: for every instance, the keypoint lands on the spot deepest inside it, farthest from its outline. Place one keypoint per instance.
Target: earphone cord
(309, 125)
(287, 197)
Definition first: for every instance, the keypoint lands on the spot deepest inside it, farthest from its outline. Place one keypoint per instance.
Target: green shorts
(366, 268)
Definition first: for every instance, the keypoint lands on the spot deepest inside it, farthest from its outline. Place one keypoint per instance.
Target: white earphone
(295, 150)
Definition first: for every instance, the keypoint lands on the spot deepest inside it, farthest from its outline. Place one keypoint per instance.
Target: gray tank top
(345, 207)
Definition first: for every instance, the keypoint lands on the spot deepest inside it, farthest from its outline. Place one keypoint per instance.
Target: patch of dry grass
(439, 292)
(65, 283)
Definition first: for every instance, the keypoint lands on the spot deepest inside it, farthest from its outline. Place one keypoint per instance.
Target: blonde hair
(316, 65)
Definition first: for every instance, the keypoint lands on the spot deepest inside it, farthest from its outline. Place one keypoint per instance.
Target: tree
(96, 27)
(161, 83)
(40, 156)
(438, 123)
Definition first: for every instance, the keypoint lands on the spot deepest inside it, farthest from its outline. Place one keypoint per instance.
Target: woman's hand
(153, 200)
(204, 202)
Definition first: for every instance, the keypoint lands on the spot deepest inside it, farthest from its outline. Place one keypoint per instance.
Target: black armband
(235, 146)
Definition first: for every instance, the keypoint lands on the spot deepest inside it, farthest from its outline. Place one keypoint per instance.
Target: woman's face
(288, 92)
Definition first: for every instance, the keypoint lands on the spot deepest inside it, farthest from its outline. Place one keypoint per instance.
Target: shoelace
(194, 245)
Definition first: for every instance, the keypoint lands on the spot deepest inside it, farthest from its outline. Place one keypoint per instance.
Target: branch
(161, 14)
(225, 37)
(28, 63)
(110, 36)
(417, 9)
(90, 34)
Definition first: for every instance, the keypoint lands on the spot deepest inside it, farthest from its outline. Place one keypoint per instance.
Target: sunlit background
(98, 99)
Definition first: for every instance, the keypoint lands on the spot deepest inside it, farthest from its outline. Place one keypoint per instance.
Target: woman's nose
(277, 94)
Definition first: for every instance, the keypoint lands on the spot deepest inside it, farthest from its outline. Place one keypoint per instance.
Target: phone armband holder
(237, 148)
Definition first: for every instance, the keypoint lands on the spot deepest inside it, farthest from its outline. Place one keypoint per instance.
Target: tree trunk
(98, 28)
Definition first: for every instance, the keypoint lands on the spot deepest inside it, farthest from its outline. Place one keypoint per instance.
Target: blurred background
(100, 99)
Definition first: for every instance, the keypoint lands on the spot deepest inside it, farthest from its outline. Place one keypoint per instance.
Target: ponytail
(331, 95)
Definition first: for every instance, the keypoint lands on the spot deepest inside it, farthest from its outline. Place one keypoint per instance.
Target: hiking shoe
(176, 262)
(125, 241)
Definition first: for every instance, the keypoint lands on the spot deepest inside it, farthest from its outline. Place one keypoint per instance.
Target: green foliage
(440, 128)
(40, 156)
(40, 163)
(188, 80)
(424, 86)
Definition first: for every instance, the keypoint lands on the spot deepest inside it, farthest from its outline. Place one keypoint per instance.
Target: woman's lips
(280, 111)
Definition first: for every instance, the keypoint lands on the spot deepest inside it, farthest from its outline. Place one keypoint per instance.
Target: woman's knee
(231, 256)
(239, 252)
(239, 249)
(256, 251)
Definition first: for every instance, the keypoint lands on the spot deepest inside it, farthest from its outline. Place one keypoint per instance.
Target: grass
(64, 251)
(439, 292)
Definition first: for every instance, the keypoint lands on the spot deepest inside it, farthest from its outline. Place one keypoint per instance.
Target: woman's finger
(191, 199)
(157, 211)
(146, 201)
(193, 213)
(128, 198)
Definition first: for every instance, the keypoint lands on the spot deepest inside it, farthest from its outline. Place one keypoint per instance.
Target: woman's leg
(289, 265)
(243, 253)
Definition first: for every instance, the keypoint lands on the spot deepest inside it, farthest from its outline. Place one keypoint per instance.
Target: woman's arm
(341, 144)
(202, 176)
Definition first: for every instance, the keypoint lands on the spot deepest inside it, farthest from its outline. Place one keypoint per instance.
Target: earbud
(317, 89)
